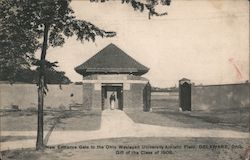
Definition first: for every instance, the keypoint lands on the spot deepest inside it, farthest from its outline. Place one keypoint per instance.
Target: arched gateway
(112, 80)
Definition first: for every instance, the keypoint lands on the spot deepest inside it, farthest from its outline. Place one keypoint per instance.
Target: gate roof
(110, 60)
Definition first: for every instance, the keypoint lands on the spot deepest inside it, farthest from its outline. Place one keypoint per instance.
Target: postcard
(124, 79)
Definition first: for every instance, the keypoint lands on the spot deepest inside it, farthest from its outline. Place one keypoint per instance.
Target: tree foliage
(141, 5)
(18, 44)
(27, 75)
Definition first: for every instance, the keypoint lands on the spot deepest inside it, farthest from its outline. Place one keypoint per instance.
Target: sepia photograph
(124, 79)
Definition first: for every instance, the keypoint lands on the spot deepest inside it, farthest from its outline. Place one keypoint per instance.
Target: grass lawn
(184, 148)
(165, 113)
(26, 120)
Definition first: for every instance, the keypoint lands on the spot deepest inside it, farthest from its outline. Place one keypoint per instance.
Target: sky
(206, 41)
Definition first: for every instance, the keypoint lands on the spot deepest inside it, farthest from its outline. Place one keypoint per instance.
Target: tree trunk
(41, 91)
(39, 141)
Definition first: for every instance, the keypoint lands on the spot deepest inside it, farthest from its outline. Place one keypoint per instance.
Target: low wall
(25, 95)
(205, 98)
(220, 97)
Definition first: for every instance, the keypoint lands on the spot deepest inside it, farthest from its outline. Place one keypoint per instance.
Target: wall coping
(115, 81)
(211, 85)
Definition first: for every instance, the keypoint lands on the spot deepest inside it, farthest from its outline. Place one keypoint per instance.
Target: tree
(33, 24)
(50, 21)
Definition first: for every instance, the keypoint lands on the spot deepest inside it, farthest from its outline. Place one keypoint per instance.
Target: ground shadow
(26, 120)
(166, 113)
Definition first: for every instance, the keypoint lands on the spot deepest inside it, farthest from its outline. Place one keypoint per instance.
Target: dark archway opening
(107, 90)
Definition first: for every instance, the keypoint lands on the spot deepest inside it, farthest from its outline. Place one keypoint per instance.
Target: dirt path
(115, 124)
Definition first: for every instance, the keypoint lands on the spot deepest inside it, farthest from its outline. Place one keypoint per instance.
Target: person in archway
(72, 101)
(112, 100)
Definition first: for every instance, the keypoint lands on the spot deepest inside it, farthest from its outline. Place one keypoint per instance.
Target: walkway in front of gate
(115, 124)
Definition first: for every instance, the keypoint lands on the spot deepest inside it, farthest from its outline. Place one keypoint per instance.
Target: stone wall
(25, 95)
(220, 97)
(133, 98)
(204, 98)
(207, 98)
(97, 100)
(87, 95)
